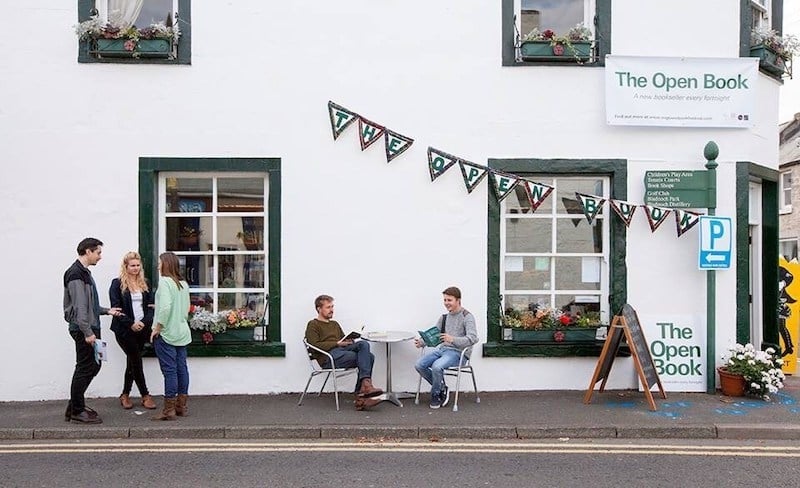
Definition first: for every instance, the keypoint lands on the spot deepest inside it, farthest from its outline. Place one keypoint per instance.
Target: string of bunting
(502, 183)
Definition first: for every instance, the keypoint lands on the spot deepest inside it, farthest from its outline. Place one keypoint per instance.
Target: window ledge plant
(211, 323)
(547, 45)
(775, 51)
(115, 39)
(761, 369)
(556, 324)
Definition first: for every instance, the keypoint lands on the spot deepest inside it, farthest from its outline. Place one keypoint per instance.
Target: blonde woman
(131, 293)
(171, 335)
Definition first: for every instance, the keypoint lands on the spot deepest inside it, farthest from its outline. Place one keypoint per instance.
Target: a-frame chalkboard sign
(627, 324)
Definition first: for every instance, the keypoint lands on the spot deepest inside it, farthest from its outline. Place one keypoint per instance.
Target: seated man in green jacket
(326, 334)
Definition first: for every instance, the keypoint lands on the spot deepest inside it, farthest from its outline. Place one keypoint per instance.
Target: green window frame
(601, 27)
(184, 48)
(149, 215)
(746, 23)
(616, 172)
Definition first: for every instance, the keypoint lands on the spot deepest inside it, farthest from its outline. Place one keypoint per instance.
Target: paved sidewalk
(523, 415)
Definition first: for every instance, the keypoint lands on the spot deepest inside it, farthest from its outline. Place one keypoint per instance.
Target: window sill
(254, 349)
(511, 349)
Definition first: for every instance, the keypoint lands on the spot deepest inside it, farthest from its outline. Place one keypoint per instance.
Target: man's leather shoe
(363, 403)
(86, 418)
(368, 389)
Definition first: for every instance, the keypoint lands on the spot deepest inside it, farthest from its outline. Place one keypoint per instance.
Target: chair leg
(458, 387)
(419, 386)
(327, 377)
(475, 385)
(336, 392)
(300, 402)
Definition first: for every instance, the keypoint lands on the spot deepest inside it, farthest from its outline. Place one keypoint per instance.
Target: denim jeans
(172, 360)
(431, 366)
(355, 355)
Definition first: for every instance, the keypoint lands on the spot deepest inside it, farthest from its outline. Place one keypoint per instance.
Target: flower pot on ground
(731, 384)
(761, 370)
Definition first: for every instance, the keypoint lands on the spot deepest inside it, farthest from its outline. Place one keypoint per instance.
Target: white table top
(389, 335)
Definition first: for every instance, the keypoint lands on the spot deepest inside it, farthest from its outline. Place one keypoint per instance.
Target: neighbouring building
(380, 152)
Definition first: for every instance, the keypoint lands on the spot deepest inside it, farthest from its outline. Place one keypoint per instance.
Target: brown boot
(363, 403)
(125, 401)
(181, 409)
(168, 413)
(148, 403)
(368, 389)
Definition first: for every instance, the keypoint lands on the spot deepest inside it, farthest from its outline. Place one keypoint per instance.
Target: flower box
(548, 51)
(769, 60)
(230, 336)
(152, 48)
(556, 336)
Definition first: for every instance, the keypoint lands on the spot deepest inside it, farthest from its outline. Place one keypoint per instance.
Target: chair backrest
(315, 366)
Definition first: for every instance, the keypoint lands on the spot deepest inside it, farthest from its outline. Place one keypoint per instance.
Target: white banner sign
(678, 346)
(681, 92)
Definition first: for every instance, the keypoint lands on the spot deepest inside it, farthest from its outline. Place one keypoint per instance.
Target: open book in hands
(354, 334)
(431, 337)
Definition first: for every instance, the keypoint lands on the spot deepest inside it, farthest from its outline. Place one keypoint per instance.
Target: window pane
(525, 302)
(789, 249)
(529, 235)
(241, 233)
(530, 273)
(559, 16)
(579, 273)
(203, 299)
(568, 202)
(249, 301)
(240, 195)
(576, 235)
(195, 269)
(238, 271)
(518, 203)
(154, 11)
(188, 194)
(586, 305)
(188, 233)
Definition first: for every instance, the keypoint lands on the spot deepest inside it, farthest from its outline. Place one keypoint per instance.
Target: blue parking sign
(716, 241)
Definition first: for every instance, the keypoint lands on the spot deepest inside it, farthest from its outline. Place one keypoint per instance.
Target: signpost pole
(710, 152)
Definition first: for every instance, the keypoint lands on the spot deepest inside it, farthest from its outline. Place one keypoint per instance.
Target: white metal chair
(316, 369)
(464, 366)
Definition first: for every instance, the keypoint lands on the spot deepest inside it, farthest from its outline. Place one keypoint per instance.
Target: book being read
(431, 337)
(354, 334)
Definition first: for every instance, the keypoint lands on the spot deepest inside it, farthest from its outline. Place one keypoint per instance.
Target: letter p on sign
(716, 239)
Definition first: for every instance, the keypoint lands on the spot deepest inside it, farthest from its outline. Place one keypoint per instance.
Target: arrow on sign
(711, 258)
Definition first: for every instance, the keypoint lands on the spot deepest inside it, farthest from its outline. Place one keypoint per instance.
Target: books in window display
(431, 337)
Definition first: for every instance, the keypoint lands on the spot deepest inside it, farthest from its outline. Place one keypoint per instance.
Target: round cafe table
(390, 337)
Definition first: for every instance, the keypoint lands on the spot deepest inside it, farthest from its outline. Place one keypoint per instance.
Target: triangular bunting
(368, 132)
(536, 193)
(503, 184)
(472, 173)
(624, 209)
(395, 144)
(340, 117)
(685, 220)
(439, 162)
(655, 216)
(590, 204)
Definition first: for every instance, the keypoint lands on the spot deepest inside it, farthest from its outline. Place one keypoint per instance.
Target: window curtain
(124, 12)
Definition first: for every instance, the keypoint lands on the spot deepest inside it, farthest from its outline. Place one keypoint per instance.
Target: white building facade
(221, 150)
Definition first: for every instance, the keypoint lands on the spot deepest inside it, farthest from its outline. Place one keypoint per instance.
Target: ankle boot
(125, 401)
(368, 389)
(148, 403)
(363, 403)
(168, 413)
(181, 409)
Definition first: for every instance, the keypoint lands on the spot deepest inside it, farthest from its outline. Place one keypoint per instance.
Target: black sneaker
(436, 401)
(445, 395)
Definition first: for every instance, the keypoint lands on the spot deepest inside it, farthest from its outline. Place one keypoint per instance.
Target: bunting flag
(503, 184)
(340, 118)
(572, 206)
(591, 205)
(396, 144)
(368, 132)
(536, 193)
(472, 173)
(624, 209)
(439, 162)
(685, 220)
(655, 216)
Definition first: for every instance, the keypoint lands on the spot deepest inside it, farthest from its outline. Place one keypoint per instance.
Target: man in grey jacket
(458, 331)
(82, 311)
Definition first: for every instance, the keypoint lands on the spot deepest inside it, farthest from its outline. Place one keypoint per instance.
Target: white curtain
(124, 12)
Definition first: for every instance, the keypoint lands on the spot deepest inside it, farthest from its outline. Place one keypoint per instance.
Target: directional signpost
(679, 189)
(716, 242)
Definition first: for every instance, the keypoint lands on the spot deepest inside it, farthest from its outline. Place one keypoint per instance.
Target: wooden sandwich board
(627, 324)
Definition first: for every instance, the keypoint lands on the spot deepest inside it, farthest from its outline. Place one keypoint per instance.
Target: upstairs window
(760, 13)
(786, 192)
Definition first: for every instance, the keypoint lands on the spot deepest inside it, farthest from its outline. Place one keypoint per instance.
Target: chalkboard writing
(639, 345)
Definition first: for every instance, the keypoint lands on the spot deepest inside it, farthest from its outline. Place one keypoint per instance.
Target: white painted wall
(381, 238)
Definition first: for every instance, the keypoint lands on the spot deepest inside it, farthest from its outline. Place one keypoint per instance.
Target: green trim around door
(745, 172)
(617, 170)
(148, 237)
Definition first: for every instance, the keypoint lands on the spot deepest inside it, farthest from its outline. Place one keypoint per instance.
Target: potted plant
(546, 324)
(774, 51)
(236, 325)
(189, 237)
(759, 372)
(113, 39)
(546, 45)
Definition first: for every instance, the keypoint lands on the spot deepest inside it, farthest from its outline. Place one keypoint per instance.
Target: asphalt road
(602, 463)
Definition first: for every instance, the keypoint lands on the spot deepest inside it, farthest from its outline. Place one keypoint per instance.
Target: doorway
(755, 251)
